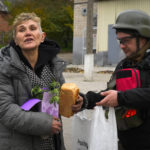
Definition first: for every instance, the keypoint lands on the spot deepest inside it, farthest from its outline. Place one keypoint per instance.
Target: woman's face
(29, 35)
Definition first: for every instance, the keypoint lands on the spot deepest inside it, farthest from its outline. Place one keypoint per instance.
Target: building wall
(79, 17)
(106, 37)
(4, 27)
(107, 13)
(79, 27)
(80, 23)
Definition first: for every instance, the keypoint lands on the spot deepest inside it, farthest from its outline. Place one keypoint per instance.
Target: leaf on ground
(74, 70)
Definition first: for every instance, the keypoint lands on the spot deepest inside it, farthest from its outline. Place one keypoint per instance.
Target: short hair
(128, 31)
(131, 32)
(25, 17)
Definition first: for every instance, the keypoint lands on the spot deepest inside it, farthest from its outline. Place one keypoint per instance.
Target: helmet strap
(137, 44)
(138, 56)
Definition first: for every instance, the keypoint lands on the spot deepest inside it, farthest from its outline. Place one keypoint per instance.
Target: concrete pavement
(99, 83)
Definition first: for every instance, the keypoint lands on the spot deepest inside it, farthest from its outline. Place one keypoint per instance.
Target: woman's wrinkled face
(29, 35)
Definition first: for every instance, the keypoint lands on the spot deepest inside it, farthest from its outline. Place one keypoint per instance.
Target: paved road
(99, 82)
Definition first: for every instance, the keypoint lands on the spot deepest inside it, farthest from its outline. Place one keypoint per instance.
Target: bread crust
(68, 96)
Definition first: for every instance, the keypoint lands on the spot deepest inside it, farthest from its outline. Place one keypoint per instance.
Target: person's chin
(127, 54)
(29, 47)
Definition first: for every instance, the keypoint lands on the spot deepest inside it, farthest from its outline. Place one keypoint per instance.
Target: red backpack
(127, 79)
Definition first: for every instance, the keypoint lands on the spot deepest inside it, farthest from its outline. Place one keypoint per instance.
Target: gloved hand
(92, 99)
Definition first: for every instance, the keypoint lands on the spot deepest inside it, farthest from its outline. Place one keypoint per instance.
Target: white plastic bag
(81, 130)
(103, 133)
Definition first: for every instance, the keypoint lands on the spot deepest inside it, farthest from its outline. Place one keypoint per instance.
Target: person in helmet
(129, 87)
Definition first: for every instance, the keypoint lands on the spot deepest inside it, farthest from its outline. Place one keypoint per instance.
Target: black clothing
(139, 98)
(93, 98)
(47, 51)
(137, 138)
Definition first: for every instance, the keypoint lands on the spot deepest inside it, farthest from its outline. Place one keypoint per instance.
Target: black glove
(92, 99)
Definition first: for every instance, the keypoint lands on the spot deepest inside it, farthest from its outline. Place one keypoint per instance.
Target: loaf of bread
(68, 96)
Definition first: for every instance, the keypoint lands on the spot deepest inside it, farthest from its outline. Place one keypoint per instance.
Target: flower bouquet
(48, 97)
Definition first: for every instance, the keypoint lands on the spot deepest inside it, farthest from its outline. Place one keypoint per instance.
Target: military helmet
(134, 20)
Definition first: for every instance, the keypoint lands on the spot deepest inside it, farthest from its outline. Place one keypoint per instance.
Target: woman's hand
(109, 100)
(77, 107)
(56, 126)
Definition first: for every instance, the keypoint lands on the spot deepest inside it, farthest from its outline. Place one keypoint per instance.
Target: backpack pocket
(127, 118)
(127, 79)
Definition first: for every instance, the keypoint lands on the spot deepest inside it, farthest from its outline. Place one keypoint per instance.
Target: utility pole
(89, 56)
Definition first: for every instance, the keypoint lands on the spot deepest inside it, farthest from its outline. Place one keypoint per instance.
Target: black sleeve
(90, 99)
(135, 98)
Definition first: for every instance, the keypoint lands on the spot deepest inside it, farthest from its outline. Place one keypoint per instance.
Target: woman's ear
(43, 36)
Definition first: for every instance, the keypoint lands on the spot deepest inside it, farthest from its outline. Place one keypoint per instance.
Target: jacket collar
(47, 51)
(144, 64)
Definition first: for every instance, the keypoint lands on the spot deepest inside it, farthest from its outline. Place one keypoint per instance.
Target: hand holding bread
(68, 96)
(78, 105)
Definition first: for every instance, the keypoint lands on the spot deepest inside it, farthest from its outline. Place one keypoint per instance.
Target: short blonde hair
(25, 17)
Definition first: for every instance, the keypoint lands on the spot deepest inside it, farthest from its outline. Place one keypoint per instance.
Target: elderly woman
(29, 60)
